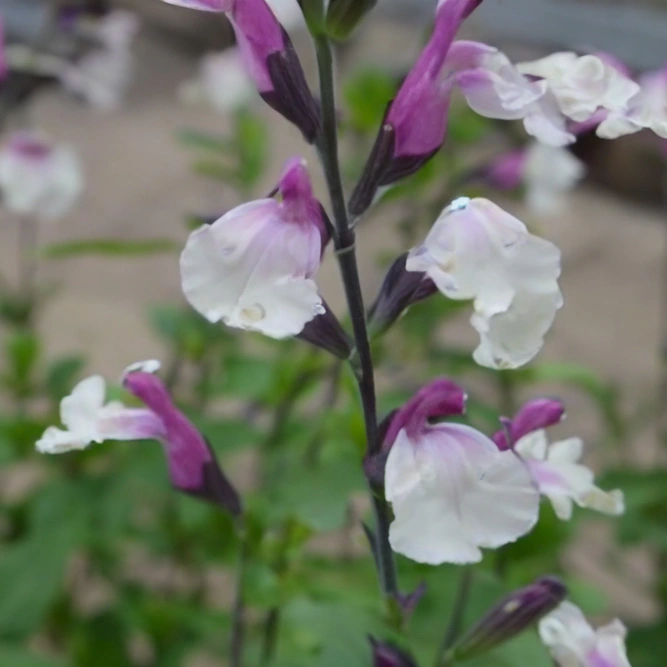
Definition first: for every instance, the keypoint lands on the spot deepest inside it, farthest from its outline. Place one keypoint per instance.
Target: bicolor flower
(555, 466)
(254, 267)
(88, 418)
(572, 641)
(546, 172)
(477, 251)
(646, 110)
(452, 490)
(222, 82)
(270, 59)
(493, 87)
(582, 84)
(415, 124)
(103, 76)
(39, 178)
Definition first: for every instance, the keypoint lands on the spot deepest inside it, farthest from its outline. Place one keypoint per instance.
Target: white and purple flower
(546, 172)
(39, 178)
(254, 267)
(453, 492)
(477, 251)
(572, 641)
(555, 466)
(88, 419)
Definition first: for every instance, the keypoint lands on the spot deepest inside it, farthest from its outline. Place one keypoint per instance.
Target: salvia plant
(393, 517)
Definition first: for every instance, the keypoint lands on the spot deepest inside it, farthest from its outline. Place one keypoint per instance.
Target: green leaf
(367, 94)
(110, 248)
(319, 497)
(23, 351)
(251, 139)
(18, 656)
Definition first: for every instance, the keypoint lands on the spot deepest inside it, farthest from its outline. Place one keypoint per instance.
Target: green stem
(344, 241)
(238, 612)
(270, 639)
(445, 657)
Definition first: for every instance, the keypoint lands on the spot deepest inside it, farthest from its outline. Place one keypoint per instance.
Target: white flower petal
(533, 445)
(253, 270)
(504, 506)
(566, 451)
(513, 338)
(572, 642)
(56, 441)
(222, 82)
(79, 411)
(566, 632)
(582, 85)
(453, 492)
(607, 502)
(549, 172)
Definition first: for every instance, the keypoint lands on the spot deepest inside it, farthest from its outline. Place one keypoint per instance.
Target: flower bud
(270, 59)
(511, 616)
(193, 468)
(388, 655)
(400, 290)
(343, 16)
(415, 125)
(534, 415)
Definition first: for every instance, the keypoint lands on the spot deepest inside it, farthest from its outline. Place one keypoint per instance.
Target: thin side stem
(444, 658)
(270, 639)
(238, 612)
(344, 240)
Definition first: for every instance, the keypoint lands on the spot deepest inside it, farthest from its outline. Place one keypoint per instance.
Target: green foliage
(109, 248)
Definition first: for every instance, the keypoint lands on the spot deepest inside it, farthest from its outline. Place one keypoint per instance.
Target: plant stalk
(445, 657)
(237, 642)
(344, 241)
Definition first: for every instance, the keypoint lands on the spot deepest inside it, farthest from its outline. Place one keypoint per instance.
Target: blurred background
(140, 186)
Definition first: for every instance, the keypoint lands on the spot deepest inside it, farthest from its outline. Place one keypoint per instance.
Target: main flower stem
(344, 241)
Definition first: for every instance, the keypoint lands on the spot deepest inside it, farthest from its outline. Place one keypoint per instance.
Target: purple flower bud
(400, 290)
(441, 398)
(415, 124)
(193, 468)
(533, 415)
(270, 59)
(388, 655)
(274, 65)
(326, 332)
(511, 616)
